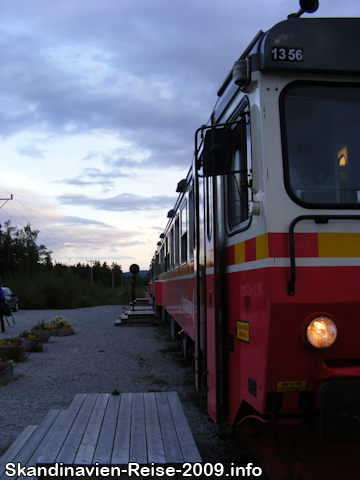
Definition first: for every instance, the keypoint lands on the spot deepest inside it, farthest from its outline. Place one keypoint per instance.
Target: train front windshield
(321, 144)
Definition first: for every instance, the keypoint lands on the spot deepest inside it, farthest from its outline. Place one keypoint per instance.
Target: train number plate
(283, 54)
(291, 386)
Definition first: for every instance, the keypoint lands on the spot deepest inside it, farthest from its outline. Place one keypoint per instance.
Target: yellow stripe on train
(339, 244)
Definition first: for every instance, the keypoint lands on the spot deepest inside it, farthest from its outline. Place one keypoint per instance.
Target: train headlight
(321, 332)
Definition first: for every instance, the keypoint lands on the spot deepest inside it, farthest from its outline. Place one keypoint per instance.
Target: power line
(39, 221)
(59, 245)
(26, 220)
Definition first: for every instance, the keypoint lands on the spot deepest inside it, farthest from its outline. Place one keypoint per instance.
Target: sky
(99, 103)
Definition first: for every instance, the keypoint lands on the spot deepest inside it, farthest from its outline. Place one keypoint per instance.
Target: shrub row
(47, 291)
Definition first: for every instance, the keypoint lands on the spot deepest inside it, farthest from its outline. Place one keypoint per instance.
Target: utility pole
(91, 270)
(5, 200)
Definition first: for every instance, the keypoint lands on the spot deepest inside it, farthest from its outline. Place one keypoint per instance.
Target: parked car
(11, 299)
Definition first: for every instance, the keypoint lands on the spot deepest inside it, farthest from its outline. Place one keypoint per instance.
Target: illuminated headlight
(321, 332)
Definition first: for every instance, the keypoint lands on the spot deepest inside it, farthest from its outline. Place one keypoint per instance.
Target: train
(258, 267)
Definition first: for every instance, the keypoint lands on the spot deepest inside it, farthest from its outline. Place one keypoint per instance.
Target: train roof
(324, 45)
(329, 45)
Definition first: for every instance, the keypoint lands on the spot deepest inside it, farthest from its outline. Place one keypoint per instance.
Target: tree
(19, 252)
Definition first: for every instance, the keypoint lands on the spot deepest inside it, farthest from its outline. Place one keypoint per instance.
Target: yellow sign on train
(291, 386)
(243, 331)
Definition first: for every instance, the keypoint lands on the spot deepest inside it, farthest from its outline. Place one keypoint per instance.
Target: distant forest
(28, 270)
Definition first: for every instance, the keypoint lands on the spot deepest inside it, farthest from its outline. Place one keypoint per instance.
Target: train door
(212, 322)
(207, 331)
(200, 286)
(225, 161)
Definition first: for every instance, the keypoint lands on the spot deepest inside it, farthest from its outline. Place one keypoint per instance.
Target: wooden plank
(172, 448)
(138, 450)
(34, 445)
(15, 448)
(121, 447)
(186, 439)
(33, 459)
(156, 453)
(59, 433)
(77, 402)
(141, 312)
(104, 446)
(71, 444)
(26, 456)
(109, 430)
(87, 447)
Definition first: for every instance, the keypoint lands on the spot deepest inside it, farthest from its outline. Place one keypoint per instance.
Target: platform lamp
(134, 269)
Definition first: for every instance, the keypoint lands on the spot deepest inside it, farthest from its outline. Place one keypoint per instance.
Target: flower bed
(60, 327)
(12, 349)
(32, 341)
(62, 333)
(43, 330)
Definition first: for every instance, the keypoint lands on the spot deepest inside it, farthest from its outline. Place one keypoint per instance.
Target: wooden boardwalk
(140, 313)
(105, 430)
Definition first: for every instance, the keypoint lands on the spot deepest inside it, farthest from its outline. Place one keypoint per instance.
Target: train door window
(191, 224)
(238, 182)
(176, 242)
(209, 206)
(184, 230)
(320, 125)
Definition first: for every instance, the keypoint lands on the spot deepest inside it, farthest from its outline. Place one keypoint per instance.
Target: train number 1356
(287, 54)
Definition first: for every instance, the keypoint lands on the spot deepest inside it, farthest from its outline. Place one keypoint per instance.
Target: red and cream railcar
(259, 264)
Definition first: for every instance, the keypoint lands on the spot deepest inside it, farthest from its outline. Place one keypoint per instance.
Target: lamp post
(134, 269)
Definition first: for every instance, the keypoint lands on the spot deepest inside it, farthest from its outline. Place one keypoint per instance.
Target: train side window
(156, 265)
(162, 259)
(238, 195)
(172, 249)
(191, 224)
(176, 242)
(184, 230)
(167, 255)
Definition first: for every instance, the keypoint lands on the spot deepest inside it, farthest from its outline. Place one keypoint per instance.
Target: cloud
(125, 202)
(139, 69)
(68, 220)
(32, 151)
(146, 71)
(94, 176)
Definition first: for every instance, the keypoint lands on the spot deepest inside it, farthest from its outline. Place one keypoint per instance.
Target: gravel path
(99, 358)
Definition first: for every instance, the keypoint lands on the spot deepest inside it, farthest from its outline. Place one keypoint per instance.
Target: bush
(47, 291)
